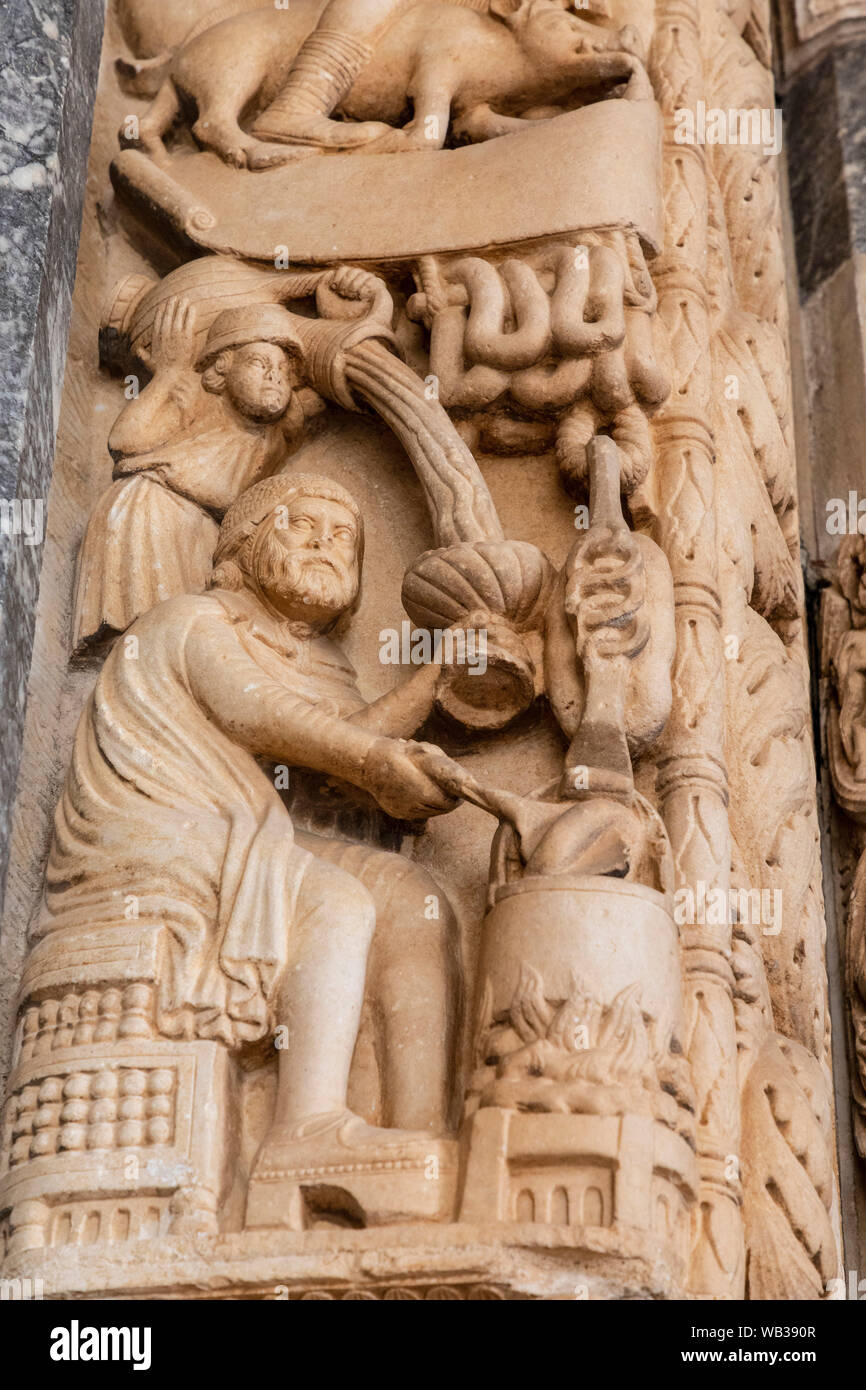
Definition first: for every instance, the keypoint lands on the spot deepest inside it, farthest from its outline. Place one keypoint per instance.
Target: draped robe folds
(152, 534)
(165, 805)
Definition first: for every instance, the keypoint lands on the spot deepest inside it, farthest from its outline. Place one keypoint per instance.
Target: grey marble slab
(49, 62)
(825, 134)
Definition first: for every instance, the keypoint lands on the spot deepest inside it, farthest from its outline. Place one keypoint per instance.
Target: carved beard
(298, 575)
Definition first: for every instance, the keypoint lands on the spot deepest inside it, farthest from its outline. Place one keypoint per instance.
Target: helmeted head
(298, 542)
(254, 355)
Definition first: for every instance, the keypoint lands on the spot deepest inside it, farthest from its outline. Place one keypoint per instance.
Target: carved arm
(403, 710)
(271, 722)
(166, 405)
(168, 402)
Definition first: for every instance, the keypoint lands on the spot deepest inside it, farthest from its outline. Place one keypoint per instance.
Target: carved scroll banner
(597, 167)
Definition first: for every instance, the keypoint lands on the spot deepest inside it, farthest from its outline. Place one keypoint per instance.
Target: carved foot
(335, 1168)
(334, 1137)
(236, 155)
(304, 129)
(225, 138)
(260, 155)
(410, 139)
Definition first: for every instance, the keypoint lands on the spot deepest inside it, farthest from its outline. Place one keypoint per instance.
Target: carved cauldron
(579, 1111)
(610, 933)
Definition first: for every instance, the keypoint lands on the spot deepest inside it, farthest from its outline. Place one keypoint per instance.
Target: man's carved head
(299, 543)
(254, 354)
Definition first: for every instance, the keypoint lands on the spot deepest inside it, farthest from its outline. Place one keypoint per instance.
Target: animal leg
(483, 123)
(428, 129)
(159, 117)
(218, 130)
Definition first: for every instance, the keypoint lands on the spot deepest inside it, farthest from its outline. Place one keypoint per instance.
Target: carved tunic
(216, 460)
(152, 535)
(165, 809)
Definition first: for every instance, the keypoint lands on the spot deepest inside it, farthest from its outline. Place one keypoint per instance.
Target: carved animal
(447, 67)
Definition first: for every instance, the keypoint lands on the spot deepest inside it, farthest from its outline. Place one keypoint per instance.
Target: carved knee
(342, 904)
(417, 921)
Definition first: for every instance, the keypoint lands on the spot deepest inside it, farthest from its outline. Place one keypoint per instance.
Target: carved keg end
(491, 700)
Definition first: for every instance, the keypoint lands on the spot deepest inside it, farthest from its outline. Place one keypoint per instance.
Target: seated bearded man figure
(167, 799)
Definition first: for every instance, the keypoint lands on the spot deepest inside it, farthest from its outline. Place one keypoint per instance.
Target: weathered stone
(503, 976)
(50, 64)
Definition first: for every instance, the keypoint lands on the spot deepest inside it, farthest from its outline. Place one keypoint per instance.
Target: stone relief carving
(183, 450)
(371, 59)
(842, 623)
(812, 18)
(284, 974)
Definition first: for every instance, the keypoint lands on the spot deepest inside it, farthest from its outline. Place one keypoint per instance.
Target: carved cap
(253, 506)
(253, 323)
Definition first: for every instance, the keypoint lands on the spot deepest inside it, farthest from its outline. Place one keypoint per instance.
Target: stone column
(821, 58)
(692, 775)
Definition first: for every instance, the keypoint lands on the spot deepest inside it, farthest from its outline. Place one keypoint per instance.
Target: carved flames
(572, 1056)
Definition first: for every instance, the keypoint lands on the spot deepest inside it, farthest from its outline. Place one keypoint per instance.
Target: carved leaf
(788, 1180)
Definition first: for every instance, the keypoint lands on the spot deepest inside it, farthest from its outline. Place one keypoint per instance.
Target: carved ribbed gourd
(502, 583)
(507, 579)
